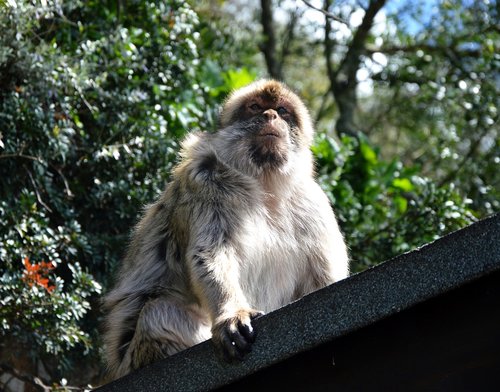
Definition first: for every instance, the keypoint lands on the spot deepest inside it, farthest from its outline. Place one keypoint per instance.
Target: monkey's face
(268, 125)
(264, 125)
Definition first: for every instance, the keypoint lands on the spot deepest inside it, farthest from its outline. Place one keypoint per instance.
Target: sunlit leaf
(403, 183)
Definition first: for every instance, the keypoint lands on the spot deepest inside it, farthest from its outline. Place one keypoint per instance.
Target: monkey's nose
(271, 114)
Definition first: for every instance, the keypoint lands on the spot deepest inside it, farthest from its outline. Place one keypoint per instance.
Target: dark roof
(335, 311)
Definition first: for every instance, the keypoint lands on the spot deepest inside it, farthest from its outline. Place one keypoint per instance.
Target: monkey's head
(266, 122)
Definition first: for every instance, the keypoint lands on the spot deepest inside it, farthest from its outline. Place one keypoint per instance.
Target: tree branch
(20, 155)
(323, 107)
(469, 52)
(35, 188)
(352, 59)
(35, 382)
(470, 154)
(343, 80)
(327, 14)
(329, 46)
(383, 113)
(288, 38)
(268, 46)
(453, 46)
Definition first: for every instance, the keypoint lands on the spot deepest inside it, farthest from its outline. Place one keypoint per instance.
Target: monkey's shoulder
(202, 173)
(198, 159)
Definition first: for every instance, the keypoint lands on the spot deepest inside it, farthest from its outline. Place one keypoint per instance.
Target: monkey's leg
(166, 327)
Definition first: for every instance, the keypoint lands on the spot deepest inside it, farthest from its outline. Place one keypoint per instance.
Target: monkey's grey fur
(242, 228)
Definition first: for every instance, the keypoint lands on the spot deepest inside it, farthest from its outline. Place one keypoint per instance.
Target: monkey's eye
(255, 107)
(282, 111)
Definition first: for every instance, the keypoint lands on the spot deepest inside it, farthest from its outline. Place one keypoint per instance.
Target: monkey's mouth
(270, 134)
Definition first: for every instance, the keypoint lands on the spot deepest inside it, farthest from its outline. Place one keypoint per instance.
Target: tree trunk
(343, 80)
(268, 46)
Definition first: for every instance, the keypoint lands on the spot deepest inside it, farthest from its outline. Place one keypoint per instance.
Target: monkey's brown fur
(242, 228)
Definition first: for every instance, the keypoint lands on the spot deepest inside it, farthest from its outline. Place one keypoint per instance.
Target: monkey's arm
(329, 261)
(214, 271)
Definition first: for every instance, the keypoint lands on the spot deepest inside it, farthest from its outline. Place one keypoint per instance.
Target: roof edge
(336, 310)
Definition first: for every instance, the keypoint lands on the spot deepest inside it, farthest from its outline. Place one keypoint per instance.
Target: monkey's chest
(273, 263)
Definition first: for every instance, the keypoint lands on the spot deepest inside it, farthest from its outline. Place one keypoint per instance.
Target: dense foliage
(92, 103)
(94, 98)
(384, 207)
(444, 77)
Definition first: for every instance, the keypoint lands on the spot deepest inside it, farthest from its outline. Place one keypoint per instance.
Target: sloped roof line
(360, 300)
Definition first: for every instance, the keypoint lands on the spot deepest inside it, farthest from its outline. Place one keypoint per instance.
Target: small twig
(329, 15)
(470, 154)
(38, 197)
(322, 108)
(40, 160)
(20, 155)
(36, 382)
(87, 103)
(384, 113)
(66, 185)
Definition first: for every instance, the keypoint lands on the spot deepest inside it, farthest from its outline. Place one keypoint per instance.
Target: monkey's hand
(233, 336)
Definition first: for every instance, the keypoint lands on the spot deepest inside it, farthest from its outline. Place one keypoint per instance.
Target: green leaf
(401, 204)
(236, 78)
(402, 183)
(368, 153)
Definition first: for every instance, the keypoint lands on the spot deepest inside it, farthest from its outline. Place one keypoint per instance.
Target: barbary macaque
(241, 229)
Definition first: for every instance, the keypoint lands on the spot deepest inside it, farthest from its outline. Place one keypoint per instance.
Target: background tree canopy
(95, 96)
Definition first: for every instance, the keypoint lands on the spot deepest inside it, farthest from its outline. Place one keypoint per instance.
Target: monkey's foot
(233, 336)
